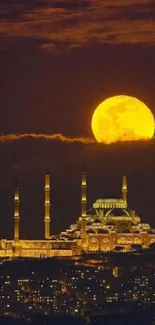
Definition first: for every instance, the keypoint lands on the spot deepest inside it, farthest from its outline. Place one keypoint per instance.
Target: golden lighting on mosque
(122, 118)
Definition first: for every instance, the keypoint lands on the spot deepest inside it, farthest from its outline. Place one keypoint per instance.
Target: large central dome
(108, 203)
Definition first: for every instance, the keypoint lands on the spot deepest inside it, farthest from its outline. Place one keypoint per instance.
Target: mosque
(108, 226)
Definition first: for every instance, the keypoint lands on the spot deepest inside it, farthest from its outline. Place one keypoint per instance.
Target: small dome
(118, 212)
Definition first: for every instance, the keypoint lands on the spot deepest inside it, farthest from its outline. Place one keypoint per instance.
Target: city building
(109, 226)
(76, 286)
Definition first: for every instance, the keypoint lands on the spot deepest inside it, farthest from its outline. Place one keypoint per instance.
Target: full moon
(122, 118)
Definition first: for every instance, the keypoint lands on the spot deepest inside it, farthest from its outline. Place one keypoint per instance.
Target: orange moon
(122, 118)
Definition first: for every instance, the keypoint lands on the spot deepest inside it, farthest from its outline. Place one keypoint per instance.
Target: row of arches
(45, 253)
(129, 241)
(96, 245)
(106, 244)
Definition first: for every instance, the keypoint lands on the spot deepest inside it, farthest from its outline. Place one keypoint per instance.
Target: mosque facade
(110, 225)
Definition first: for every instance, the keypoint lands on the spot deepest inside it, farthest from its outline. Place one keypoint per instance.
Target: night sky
(58, 61)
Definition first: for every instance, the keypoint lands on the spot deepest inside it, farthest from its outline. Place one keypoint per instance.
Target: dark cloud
(80, 22)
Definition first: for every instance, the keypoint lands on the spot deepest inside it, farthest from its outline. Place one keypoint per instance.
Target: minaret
(16, 212)
(83, 201)
(47, 219)
(124, 190)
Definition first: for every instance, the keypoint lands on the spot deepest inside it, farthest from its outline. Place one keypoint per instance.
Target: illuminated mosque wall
(108, 225)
